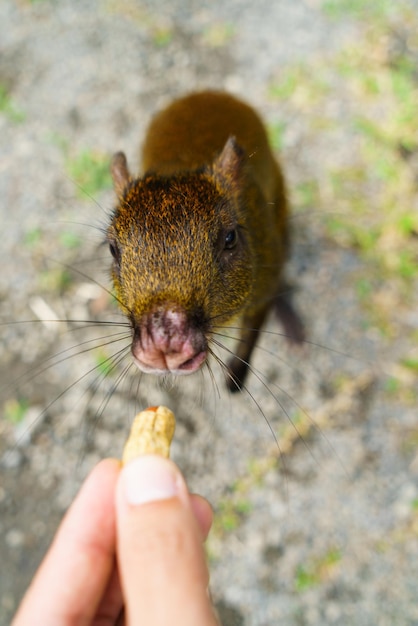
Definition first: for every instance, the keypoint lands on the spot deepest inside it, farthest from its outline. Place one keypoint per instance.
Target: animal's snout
(168, 340)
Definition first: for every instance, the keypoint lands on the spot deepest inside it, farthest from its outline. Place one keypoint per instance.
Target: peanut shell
(151, 433)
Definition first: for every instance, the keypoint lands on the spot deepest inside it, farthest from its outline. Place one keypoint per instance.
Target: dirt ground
(320, 528)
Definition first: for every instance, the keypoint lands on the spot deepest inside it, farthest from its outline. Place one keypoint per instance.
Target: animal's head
(181, 258)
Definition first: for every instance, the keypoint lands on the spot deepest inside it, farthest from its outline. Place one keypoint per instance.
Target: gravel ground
(322, 531)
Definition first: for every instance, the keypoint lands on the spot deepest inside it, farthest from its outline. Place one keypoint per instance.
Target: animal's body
(200, 239)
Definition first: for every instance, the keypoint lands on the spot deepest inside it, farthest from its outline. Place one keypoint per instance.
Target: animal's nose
(167, 341)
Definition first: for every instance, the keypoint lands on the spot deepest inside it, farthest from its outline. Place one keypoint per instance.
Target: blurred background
(313, 470)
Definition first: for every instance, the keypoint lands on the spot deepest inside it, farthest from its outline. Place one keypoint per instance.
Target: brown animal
(200, 240)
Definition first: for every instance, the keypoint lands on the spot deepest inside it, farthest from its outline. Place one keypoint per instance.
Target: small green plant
(407, 377)
(70, 240)
(307, 85)
(56, 279)
(8, 108)
(219, 34)
(33, 237)
(392, 385)
(15, 409)
(289, 81)
(364, 288)
(318, 571)
(305, 579)
(162, 36)
(90, 171)
(306, 195)
(276, 134)
(231, 512)
(104, 363)
(411, 363)
(370, 9)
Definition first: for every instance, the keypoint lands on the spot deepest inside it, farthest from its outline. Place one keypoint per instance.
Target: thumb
(161, 559)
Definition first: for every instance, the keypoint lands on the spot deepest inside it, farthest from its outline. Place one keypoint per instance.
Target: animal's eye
(231, 239)
(114, 250)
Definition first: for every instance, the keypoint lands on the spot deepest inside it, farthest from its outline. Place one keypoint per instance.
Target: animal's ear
(229, 164)
(120, 173)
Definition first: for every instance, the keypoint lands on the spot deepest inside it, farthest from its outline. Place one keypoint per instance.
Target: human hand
(129, 551)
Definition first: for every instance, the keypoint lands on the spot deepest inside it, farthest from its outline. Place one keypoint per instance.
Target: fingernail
(149, 478)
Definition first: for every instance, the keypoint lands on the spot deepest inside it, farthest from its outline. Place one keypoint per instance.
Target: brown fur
(208, 170)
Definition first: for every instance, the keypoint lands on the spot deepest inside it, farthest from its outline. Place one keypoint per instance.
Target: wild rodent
(201, 238)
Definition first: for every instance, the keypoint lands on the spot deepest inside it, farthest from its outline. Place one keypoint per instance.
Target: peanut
(151, 433)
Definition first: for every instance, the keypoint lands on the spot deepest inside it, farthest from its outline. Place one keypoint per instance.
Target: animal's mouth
(167, 340)
(162, 367)
(194, 363)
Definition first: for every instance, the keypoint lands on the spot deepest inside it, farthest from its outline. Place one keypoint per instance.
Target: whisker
(116, 360)
(55, 360)
(86, 193)
(260, 377)
(61, 395)
(285, 336)
(112, 362)
(139, 379)
(87, 323)
(133, 396)
(265, 350)
(88, 278)
(97, 227)
(212, 377)
(243, 387)
(239, 385)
